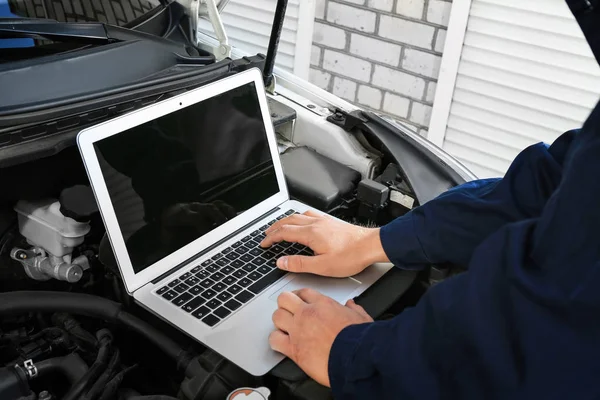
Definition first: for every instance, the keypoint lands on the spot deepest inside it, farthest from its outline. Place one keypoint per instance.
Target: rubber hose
(72, 367)
(92, 306)
(100, 384)
(94, 372)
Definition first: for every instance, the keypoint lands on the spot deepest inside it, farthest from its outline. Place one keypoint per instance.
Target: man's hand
(341, 249)
(308, 323)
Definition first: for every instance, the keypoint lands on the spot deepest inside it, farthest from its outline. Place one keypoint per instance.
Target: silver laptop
(186, 188)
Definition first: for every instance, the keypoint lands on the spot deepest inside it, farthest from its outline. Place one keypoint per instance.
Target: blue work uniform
(524, 321)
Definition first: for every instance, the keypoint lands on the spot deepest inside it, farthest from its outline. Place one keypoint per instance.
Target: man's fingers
(296, 219)
(304, 264)
(313, 214)
(352, 305)
(289, 233)
(290, 302)
(283, 319)
(280, 342)
(309, 295)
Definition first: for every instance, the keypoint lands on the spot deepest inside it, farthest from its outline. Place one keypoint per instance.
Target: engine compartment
(68, 328)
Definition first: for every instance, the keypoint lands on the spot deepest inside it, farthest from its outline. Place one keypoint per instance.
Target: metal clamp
(30, 369)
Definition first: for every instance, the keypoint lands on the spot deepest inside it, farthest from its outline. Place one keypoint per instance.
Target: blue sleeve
(450, 227)
(522, 323)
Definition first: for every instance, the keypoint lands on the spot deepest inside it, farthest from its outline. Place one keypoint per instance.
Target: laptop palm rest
(337, 288)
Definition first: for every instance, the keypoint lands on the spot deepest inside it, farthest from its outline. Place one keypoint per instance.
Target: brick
(438, 12)
(329, 36)
(401, 30)
(375, 49)
(430, 96)
(396, 105)
(351, 17)
(319, 78)
(344, 88)
(346, 65)
(420, 114)
(315, 55)
(410, 8)
(383, 5)
(399, 82)
(421, 63)
(369, 96)
(320, 9)
(440, 40)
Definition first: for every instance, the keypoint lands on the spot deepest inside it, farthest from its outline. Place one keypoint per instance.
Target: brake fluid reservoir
(43, 225)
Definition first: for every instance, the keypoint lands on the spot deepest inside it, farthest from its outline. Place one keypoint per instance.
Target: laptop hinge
(212, 247)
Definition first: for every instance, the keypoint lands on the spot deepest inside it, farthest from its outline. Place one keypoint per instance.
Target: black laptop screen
(176, 178)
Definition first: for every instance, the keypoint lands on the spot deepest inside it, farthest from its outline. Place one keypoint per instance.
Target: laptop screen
(176, 178)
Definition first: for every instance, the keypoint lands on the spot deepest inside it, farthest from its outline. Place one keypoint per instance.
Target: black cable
(95, 370)
(92, 306)
(100, 384)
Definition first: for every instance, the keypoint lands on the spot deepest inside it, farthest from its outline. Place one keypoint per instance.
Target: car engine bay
(69, 330)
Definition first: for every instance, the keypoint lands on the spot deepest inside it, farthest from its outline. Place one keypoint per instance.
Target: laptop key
(259, 261)
(181, 288)
(234, 289)
(211, 320)
(269, 254)
(182, 299)
(237, 263)
(236, 244)
(290, 212)
(212, 268)
(263, 269)
(203, 274)
(170, 295)
(212, 304)
(244, 296)
(227, 250)
(216, 256)
(221, 312)
(196, 290)
(227, 270)
(192, 281)
(271, 263)
(244, 240)
(222, 262)
(281, 217)
(193, 304)
(185, 276)
(230, 280)
(208, 293)
(201, 312)
(195, 269)
(264, 227)
(285, 245)
(162, 290)
(246, 258)
(232, 256)
(207, 283)
(174, 283)
(224, 296)
(239, 274)
(255, 276)
(241, 250)
(255, 233)
(217, 276)
(233, 304)
(219, 287)
(244, 282)
(205, 263)
(267, 280)
(256, 252)
(249, 267)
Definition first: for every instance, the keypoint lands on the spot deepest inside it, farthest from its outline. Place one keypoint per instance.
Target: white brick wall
(384, 55)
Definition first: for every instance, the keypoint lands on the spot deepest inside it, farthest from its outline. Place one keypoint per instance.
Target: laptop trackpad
(338, 289)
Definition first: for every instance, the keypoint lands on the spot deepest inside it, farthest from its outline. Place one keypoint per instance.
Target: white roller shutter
(520, 73)
(248, 26)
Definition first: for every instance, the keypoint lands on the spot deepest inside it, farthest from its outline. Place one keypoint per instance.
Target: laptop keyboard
(216, 288)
